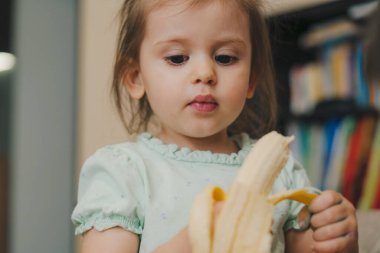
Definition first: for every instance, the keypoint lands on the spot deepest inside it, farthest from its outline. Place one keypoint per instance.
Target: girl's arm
(180, 243)
(113, 240)
(334, 227)
(118, 240)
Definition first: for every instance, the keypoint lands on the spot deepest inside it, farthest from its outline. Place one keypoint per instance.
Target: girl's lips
(204, 103)
(204, 99)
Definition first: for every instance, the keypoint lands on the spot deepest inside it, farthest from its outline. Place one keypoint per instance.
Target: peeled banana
(244, 222)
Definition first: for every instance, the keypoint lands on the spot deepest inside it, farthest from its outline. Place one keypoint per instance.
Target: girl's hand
(334, 224)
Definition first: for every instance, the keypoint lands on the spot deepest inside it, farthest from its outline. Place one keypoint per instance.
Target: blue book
(330, 134)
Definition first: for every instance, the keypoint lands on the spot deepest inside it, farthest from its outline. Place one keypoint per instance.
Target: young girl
(192, 65)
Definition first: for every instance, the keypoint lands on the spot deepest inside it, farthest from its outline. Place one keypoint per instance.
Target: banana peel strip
(302, 195)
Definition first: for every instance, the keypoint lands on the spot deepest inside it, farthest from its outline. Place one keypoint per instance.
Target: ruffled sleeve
(296, 178)
(111, 192)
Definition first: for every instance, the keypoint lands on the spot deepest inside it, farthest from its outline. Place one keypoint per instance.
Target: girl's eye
(177, 59)
(225, 59)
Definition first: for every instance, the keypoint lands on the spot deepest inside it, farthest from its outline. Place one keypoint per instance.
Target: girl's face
(194, 67)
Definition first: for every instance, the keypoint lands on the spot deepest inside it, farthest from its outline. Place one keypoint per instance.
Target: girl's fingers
(339, 244)
(325, 200)
(329, 216)
(335, 230)
(334, 223)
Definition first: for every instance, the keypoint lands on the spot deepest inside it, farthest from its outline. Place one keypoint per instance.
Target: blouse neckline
(172, 151)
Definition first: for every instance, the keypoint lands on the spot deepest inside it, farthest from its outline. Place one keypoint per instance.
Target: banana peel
(302, 195)
(244, 222)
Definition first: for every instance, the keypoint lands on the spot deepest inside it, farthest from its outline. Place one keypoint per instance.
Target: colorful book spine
(337, 74)
(372, 177)
(342, 155)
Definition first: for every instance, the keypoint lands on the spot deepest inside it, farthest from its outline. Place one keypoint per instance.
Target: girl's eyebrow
(172, 41)
(234, 41)
(223, 41)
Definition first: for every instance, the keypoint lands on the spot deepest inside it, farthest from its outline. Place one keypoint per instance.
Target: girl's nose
(204, 73)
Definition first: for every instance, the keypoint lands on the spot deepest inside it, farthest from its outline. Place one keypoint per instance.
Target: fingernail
(348, 235)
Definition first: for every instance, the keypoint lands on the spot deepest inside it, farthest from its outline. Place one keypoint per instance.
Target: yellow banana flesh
(244, 222)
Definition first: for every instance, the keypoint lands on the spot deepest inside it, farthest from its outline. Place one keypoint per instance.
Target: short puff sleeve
(111, 192)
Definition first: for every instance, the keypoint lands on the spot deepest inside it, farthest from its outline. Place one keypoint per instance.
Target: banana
(201, 218)
(244, 222)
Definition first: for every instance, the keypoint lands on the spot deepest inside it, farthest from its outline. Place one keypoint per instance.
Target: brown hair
(259, 114)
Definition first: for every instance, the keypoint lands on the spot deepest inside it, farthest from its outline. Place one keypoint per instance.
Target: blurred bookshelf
(325, 98)
(277, 7)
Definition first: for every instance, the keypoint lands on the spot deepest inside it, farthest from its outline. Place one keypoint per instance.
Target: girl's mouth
(203, 103)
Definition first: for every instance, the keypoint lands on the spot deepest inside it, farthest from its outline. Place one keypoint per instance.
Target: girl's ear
(251, 89)
(132, 80)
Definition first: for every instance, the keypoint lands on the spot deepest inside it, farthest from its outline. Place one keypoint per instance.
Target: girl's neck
(218, 143)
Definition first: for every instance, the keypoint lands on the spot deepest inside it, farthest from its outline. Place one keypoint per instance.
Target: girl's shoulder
(114, 151)
(117, 155)
(133, 146)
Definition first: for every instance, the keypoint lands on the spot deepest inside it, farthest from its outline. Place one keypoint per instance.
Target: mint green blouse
(147, 187)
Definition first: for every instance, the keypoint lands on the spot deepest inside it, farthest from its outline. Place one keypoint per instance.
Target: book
(351, 163)
(339, 154)
(372, 177)
(330, 134)
(364, 151)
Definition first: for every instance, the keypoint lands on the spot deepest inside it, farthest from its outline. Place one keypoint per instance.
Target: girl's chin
(194, 134)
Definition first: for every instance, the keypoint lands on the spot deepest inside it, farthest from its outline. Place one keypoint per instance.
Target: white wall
(43, 126)
(98, 122)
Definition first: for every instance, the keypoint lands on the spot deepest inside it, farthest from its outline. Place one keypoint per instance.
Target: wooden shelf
(333, 109)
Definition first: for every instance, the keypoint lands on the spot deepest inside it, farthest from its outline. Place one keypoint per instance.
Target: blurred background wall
(98, 122)
(43, 112)
(55, 111)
